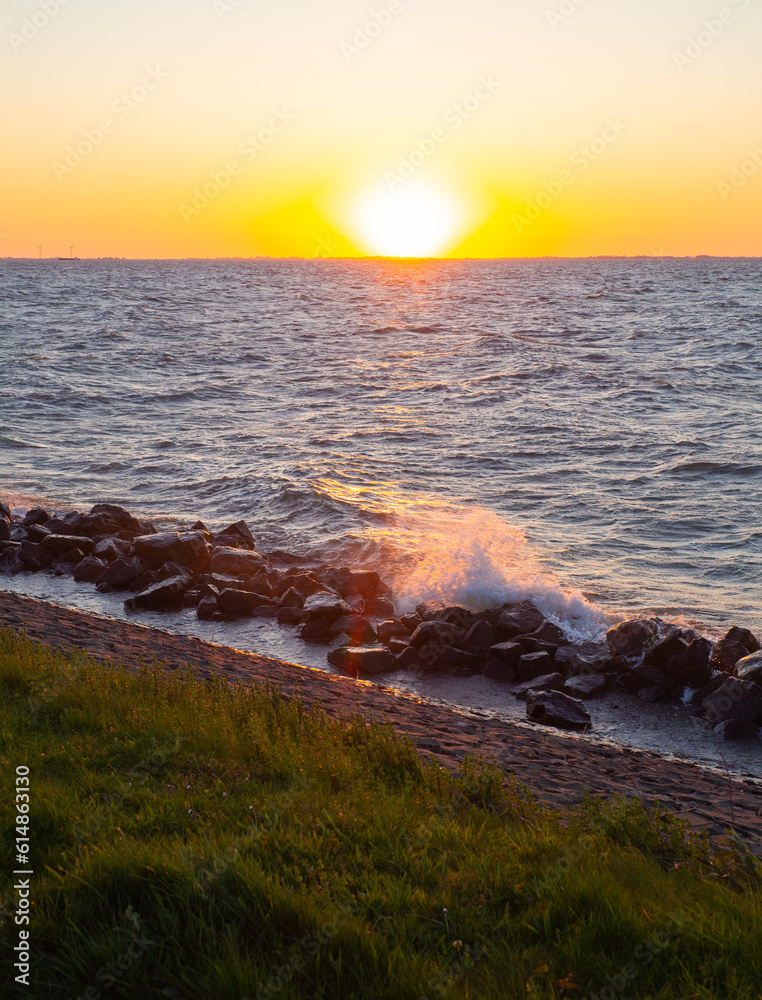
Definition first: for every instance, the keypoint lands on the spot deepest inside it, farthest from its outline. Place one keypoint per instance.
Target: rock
(10, 563)
(111, 549)
(734, 701)
(5, 531)
(552, 708)
(36, 533)
(378, 607)
(480, 638)
(89, 570)
(519, 619)
(236, 562)
(190, 549)
(34, 556)
(745, 637)
(548, 682)
(392, 630)
(508, 652)
(57, 526)
(632, 639)
(644, 676)
(433, 634)
(170, 569)
(411, 622)
(534, 665)
(5, 511)
(358, 628)
(725, 655)
(352, 583)
(36, 516)
(736, 730)
(108, 519)
(265, 611)
(167, 594)
(583, 657)
(650, 695)
(531, 645)
(326, 607)
(236, 536)
(200, 526)
(291, 599)
(750, 668)
(548, 632)
(449, 660)
(291, 616)
(241, 602)
(691, 668)
(670, 644)
(71, 558)
(120, 575)
(500, 670)
(408, 659)
(208, 609)
(586, 686)
(149, 579)
(65, 543)
(397, 646)
(363, 660)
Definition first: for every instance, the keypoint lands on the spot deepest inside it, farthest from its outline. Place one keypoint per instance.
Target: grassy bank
(189, 841)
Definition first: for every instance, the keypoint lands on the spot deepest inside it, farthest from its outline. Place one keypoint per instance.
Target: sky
(486, 128)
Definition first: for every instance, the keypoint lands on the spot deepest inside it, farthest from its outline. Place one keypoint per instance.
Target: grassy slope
(190, 841)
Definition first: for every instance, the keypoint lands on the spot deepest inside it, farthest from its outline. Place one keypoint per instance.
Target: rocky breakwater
(351, 612)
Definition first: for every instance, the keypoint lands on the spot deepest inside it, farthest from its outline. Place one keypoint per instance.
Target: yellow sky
(488, 128)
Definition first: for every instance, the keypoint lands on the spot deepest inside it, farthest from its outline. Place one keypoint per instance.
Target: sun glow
(414, 221)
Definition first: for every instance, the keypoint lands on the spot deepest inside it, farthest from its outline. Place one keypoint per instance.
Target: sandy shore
(557, 769)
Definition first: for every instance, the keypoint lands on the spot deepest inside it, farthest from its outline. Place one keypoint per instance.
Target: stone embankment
(352, 613)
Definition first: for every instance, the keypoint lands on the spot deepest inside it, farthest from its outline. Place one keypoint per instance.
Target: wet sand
(557, 769)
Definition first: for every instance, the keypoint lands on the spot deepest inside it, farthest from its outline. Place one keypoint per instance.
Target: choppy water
(473, 429)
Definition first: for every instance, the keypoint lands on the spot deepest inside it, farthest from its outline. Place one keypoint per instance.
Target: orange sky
(239, 128)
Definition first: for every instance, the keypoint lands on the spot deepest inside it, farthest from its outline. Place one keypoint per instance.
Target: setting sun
(415, 221)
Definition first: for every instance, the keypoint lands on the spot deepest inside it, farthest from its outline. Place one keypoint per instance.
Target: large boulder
(691, 667)
(89, 570)
(737, 701)
(745, 637)
(34, 556)
(110, 549)
(632, 639)
(240, 603)
(434, 633)
(59, 544)
(191, 549)
(509, 653)
(161, 596)
(586, 686)
(353, 583)
(120, 575)
(551, 633)
(535, 665)
(10, 563)
(235, 536)
(480, 638)
(583, 658)
(5, 530)
(236, 562)
(326, 607)
(553, 708)
(392, 630)
(108, 519)
(448, 660)
(5, 511)
(725, 655)
(35, 516)
(57, 526)
(670, 644)
(519, 619)
(750, 668)
(500, 670)
(358, 628)
(362, 660)
(548, 682)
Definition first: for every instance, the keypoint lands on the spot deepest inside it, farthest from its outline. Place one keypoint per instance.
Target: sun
(411, 221)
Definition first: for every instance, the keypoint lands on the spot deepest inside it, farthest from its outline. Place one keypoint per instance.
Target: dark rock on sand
(378, 607)
(650, 695)
(291, 599)
(734, 701)
(36, 533)
(161, 596)
(208, 609)
(548, 682)
(10, 563)
(362, 661)
(5, 511)
(548, 632)
(433, 633)
(480, 638)
(239, 603)
(397, 646)
(392, 630)
(725, 655)
(449, 660)
(500, 670)
(508, 652)
(670, 644)
(583, 658)
(409, 659)
(750, 668)
(120, 575)
(552, 708)
(108, 519)
(589, 686)
(326, 607)
(57, 526)
(632, 639)
(691, 667)
(35, 516)
(358, 628)
(5, 531)
(535, 665)
(186, 548)
(644, 676)
(34, 556)
(291, 616)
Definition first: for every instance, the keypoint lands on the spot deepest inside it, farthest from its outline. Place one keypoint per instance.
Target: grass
(190, 840)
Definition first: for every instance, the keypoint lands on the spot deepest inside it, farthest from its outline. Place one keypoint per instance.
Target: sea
(586, 433)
